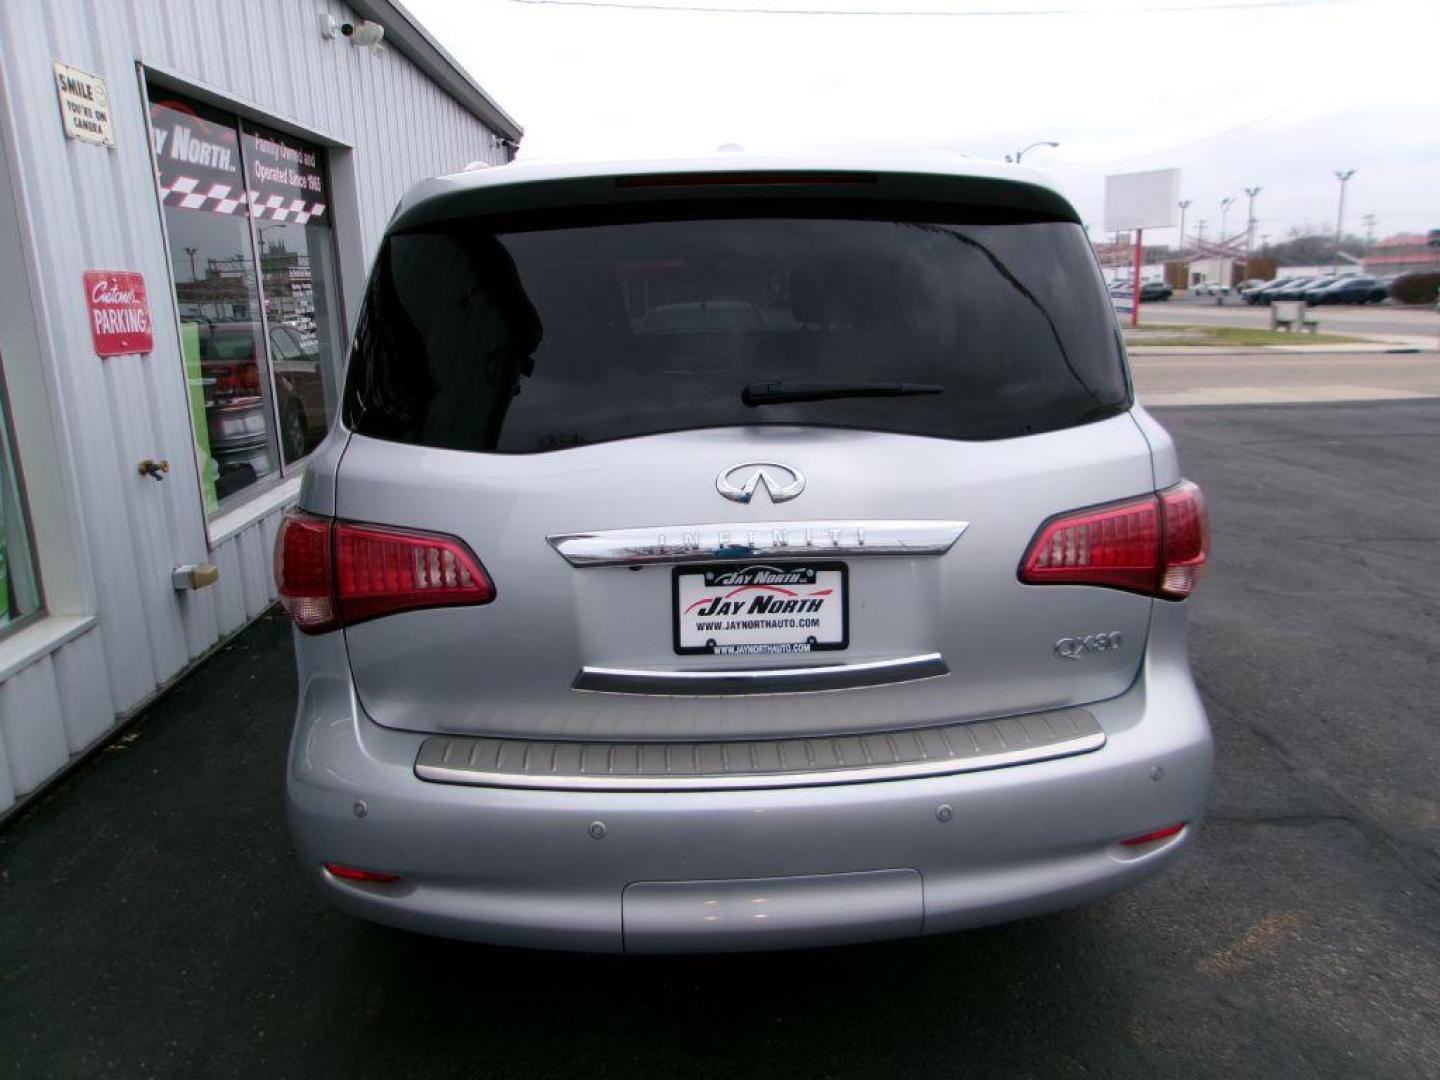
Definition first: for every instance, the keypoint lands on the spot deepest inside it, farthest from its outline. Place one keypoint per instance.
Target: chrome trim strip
(756, 539)
(562, 766)
(788, 680)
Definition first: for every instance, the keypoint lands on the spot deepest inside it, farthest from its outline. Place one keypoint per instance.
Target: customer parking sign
(119, 313)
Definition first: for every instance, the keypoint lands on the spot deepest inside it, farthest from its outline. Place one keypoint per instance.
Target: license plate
(757, 608)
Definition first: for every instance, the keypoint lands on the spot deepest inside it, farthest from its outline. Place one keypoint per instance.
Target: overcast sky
(1236, 93)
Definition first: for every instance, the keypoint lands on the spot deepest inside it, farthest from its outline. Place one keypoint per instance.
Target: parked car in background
(702, 317)
(1150, 291)
(1210, 288)
(300, 386)
(1296, 289)
(747, 680)
(1263, 293)
(235, 404)
(1355, 289)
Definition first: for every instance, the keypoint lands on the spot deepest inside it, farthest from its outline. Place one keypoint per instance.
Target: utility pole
(1250, 193)
(1184, 205)
(1200, 238)
(1344, 178)
(1224, 209)
(1369, 220)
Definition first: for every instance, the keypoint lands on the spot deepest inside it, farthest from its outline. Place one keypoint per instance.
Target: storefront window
(256, 288)
(298, 280)
(19, 591)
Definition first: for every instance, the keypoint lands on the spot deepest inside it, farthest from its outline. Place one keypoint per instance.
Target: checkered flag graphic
(189, 193)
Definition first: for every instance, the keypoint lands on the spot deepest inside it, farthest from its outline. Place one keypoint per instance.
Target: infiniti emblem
(738, 483)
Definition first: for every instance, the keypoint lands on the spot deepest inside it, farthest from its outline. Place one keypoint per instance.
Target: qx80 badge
(1073, 648)
(740, 482)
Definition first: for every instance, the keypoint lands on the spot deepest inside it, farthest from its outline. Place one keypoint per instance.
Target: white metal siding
(93, 208)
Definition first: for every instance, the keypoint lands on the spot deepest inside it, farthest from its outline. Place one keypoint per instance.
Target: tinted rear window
(500, 336)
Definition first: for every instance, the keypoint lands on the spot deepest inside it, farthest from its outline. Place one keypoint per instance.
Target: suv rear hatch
(796, 430)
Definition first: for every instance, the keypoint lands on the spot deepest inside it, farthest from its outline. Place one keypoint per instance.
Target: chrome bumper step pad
(761, 763)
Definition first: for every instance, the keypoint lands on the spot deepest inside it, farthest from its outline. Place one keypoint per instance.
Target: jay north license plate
(755, 608)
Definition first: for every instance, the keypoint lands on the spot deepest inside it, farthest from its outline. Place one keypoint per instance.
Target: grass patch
(1233, 335)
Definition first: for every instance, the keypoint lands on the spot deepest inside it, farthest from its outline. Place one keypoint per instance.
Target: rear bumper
(749, 869)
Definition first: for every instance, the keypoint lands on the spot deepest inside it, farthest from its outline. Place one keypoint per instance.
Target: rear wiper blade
(780, 393)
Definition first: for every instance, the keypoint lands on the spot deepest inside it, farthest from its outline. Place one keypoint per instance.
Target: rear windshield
(492, 335)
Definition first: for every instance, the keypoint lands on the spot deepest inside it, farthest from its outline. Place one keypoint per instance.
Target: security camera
(367, 33)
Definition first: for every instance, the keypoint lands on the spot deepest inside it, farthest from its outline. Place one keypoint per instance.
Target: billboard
(1142, 200)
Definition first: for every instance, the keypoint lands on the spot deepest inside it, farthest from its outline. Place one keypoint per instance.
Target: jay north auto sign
(201, 165)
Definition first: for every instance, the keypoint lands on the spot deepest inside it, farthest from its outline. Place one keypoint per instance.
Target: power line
(1185, 145)
(1140, 9)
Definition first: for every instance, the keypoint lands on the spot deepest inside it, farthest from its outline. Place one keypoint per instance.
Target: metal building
(190, 193)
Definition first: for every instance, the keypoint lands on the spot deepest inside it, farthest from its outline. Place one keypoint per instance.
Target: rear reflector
(336, 573)
(1154, 835)
(352, 873)
(1155, 544)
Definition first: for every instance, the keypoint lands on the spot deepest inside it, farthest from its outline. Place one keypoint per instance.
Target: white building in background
(189, 197)
(1209, 270)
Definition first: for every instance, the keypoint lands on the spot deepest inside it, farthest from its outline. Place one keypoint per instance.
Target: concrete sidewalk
(1377, 343)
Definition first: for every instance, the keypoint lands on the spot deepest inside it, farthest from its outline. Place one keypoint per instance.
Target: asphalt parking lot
(151, 923)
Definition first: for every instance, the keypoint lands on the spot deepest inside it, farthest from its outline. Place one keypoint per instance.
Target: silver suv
(739, 554)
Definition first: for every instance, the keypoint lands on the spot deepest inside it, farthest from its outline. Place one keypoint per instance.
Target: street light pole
(1224, 209)
(1344, 178)
(1021, 153)
(1250, 192)
(1184, 205)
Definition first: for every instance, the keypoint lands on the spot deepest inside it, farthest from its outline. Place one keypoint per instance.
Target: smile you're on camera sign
(84, 105)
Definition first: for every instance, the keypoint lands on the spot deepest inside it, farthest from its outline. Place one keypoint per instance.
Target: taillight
(1155, 544)
(335, 573)
(303, 574)
(1186, 530)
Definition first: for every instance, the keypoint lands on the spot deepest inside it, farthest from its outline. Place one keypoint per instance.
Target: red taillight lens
(1186, 528)
(1155, 544)
(334, 573)
(303, 573)
(1113, 545)
(381, 570)
(354, 873)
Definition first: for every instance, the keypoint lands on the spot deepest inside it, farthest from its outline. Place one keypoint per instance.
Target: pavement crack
(1289, 821)
(1379, 835)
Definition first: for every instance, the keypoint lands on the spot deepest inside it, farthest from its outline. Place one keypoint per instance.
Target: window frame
(230, 514)
(9, 446)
